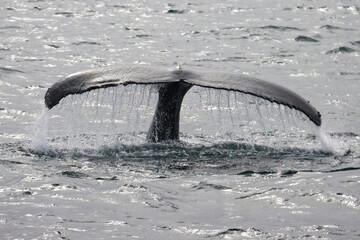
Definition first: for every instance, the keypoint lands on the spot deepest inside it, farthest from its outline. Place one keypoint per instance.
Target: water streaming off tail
(103, 116)
(221, 115)
(123, 114)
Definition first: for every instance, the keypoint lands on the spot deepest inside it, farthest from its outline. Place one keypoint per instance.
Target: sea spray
(39, 138)
(329, 144)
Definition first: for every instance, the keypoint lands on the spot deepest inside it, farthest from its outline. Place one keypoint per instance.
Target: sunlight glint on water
(207, 186)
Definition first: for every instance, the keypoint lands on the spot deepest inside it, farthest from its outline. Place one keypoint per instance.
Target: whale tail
(174, 85)
(165, 124)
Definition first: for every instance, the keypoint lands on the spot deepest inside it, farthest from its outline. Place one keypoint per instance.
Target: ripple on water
(356, 43)
(196, 189)
(302, 38)
(342, 49)
(10, 70)
(281, 28)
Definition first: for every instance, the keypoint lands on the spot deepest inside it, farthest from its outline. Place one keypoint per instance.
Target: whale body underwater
(174, 84)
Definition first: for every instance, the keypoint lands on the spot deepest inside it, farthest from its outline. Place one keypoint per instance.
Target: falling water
(39, 141)
(122, 115)
(331, 145)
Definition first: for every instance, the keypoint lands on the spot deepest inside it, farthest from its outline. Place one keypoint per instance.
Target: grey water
(244, 168)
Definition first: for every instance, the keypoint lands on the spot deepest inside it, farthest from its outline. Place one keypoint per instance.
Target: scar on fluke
(174, 85)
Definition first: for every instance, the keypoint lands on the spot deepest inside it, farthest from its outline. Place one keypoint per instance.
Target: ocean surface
(244, 168)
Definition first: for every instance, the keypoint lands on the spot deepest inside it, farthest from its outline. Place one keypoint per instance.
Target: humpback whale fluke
(174, 86)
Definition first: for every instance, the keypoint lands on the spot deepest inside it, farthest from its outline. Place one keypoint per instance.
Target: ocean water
(244, 168)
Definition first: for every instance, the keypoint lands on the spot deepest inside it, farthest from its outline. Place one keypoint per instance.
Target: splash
(330, 144)
(39, 138)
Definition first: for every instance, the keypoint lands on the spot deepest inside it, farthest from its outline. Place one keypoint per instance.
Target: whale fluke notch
(174, 86)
